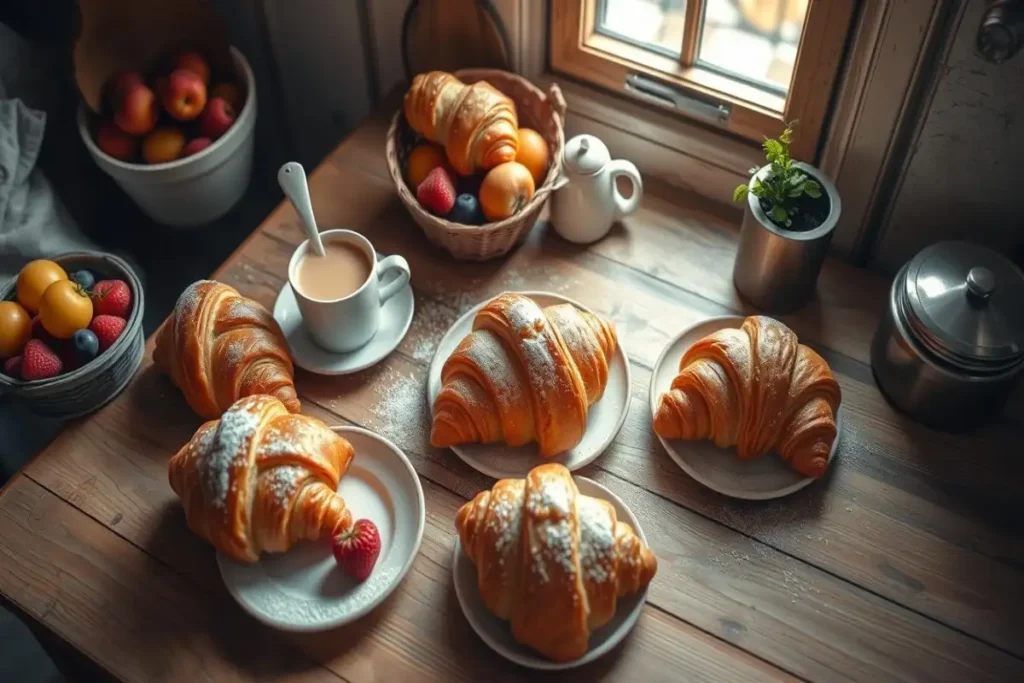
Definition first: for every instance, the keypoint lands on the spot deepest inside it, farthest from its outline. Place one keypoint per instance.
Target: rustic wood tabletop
(905, 563)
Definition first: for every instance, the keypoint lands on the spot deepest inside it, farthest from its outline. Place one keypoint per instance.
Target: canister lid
(585, 155)
(966, 304)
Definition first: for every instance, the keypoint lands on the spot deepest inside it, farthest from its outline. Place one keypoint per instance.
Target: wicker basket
(543, 113)
(84, 390)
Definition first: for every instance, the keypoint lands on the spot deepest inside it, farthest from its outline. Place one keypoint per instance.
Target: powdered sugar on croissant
(550, 560)
(261, 479)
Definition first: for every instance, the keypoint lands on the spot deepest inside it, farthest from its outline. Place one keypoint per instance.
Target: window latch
(676, 98)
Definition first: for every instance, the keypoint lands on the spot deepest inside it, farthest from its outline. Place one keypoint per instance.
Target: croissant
(551, 560)
(755, 388)
(476, 123)
(524, 374)
(261, 479)
(219, 346)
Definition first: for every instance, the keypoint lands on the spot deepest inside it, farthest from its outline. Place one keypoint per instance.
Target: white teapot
(586, 201)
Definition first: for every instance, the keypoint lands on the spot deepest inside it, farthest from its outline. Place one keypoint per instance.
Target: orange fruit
(64, 309)
(505, 190)
(533, 154)
(163, 145)
(33, 280)
(15, 328)
(422, 160)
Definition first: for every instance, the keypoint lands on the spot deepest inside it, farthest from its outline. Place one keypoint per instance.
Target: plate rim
(537, 661)
(681, 462)
(495, 474)
(355, 368)
(384, 594)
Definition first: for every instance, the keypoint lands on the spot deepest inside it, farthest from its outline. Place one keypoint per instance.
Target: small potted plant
(792, 210)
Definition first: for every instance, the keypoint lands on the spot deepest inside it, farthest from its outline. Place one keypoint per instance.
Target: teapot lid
(964, 303)
(585, 155)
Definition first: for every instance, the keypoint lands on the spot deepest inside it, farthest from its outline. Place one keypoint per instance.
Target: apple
(185, 95)
(162, 145)
(195, 146)
(190, 60)
(115, 142)
(137, 110)
(217, 118)
(118, 84)
(230, 93)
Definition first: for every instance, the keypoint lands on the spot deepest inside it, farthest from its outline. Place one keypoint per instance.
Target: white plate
(395, 318)
(604, 419)
(304, 589)
(498, 634)
(719, 468)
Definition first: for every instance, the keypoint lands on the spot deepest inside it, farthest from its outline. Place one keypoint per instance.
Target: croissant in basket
(477, 124)
(756, 388)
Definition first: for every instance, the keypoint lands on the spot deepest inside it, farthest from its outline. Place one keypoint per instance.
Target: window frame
(577, 49)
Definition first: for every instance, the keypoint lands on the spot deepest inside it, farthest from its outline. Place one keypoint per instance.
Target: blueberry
(466, 210)
(83, 277)
(87, 346)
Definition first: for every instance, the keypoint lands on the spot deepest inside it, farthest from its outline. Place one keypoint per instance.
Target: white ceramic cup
(347, 323)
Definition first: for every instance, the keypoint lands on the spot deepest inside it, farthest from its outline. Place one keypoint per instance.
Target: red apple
(217, 118)
(163, 145)
(185, 95)
(231, 93)
(116, 142)
(118, 84)
(190, 60)
(195, 146)
(137, 110)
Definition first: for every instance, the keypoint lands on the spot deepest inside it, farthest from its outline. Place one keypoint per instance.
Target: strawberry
(38, 361)
(107, 329)
(112, 297)
(12, 367)
(437, 192)
(356, 550)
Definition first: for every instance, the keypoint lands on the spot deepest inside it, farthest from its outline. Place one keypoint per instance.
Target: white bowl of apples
(181, 145)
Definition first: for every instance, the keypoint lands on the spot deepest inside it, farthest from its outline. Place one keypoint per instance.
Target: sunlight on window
(654, 24)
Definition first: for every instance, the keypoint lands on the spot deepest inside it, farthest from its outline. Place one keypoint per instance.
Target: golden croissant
(260, 479)
(551, 560)
(756, 388)
(476, 123)
(524, 374)
(219, 346)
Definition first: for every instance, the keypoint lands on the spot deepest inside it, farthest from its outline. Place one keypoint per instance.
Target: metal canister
(949, 348)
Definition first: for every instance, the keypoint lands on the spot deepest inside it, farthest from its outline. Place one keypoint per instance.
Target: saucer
(498, 634)
(604, 418)
(719, 468)
(304, 589)
(395, 318)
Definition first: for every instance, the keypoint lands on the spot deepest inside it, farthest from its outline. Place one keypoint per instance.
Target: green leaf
(779, 215)
(773, 149)
(740, 193)
(787, 134)
(812, 189)
(758, 188)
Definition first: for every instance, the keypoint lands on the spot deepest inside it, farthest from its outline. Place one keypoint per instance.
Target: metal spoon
(292, 179)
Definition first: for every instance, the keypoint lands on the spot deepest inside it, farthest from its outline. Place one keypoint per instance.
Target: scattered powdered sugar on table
(267, 599)
(230, 444)
(400, 410)
(597, 539)
(430, 322)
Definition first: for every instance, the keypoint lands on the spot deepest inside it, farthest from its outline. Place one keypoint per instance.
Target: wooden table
(905, 562)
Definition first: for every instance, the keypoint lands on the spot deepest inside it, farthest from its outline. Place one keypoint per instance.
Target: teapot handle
(623, 205)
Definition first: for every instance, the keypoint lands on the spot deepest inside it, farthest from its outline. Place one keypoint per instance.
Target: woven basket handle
(556, 101)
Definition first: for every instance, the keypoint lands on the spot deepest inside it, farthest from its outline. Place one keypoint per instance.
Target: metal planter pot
(777, 269)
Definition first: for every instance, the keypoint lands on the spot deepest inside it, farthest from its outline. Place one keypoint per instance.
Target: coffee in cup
(340, 272)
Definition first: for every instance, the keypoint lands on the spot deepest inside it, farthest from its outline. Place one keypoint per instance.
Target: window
(745, 66)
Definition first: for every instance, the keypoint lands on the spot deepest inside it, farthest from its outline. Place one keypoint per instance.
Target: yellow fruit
(15, 328)
(64, 309)
(506, 189)
(422, 160)
(533, 154)
(33, 280)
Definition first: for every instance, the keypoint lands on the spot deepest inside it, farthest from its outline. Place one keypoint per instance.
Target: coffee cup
(345, 322)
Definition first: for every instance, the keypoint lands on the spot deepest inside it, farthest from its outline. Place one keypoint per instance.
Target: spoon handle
(292, 179)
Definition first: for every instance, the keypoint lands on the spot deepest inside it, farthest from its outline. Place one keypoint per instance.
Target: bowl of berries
(70, 332)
